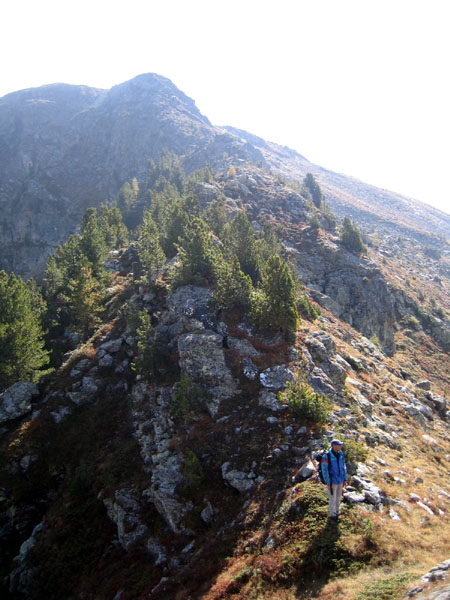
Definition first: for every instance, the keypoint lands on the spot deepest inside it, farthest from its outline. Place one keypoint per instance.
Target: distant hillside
(64, 148)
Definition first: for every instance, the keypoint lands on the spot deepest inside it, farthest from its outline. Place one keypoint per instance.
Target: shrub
(307, 309)
(274, 306)
(351, 237)
(355, 451)
(193, 474)
(314, 189)
(375, 341)
(188, 398)
(387, 589)
(144, 364)
(305, 402)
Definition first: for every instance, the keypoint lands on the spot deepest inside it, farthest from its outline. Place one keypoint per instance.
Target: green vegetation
(75, 278)
(355, 451)
(197, 255)
(187, 399)
(85, 300)
(233, 286)
(351, 238)
(192, 473)
(307, 309)
(145, 363)
(274, 303)
(314, 189)
(305, 403)
(240, 241)
(150, 252)
(387, 589)
(22, 351)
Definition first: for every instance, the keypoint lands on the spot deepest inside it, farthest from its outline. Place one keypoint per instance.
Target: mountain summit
(64, 148)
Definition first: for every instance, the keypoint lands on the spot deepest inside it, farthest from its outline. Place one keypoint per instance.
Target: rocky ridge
(244, 439)
(198, 478)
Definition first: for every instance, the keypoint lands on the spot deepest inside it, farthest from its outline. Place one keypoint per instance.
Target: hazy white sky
(358, 86)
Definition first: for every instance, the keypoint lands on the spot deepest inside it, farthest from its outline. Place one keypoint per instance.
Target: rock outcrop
(15, 401)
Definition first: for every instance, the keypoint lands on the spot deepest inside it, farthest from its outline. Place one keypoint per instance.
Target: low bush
(387, 589)
(305, 403)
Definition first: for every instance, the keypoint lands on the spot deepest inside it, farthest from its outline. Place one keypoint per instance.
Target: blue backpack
(319, 470)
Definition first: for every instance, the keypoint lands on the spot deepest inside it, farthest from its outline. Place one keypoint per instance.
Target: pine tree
(197, 255)
(176, 225)
(240, 241)
(112, 227)
(233, 286)
(86, 296)
(127, 202)
(92, 242)
(268, 243)
(22, 351)
(274, 305)
(150, 251)
(145, 363)
(216, 216)
(314, 189)
(351, 238)
(68, 257)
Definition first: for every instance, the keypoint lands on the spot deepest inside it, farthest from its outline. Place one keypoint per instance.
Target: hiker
(334, 474)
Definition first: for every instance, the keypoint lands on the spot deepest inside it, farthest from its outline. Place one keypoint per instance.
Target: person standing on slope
(334, 473)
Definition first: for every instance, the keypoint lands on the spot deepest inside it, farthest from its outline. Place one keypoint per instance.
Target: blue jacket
(336, 469)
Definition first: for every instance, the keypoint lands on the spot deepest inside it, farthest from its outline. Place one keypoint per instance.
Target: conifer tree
(314, 189)
(22, 351)
(112, 227)
(127, 202)
(92, 242)
(145, 362)
(86, 296)
(68, 257)
(216, 216)
(176, 224)
(268, 243)
(233, 286)
(351, 237)
(274, 304)
(240, 241)
(150, 251)
(197, 255)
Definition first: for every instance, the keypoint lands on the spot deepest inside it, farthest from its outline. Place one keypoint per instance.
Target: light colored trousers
(335, 499)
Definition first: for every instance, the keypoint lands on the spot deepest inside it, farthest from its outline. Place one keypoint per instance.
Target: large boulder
(153, 429)
(124, 511)
(239, 480)
(202, 358)
(276, 378)
(15, 402)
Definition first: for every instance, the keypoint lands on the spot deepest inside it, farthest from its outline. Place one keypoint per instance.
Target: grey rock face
(15, 402)
(202, 358)
(270, 401)
(371, 492)
(239, 480)
(244, 347)
(352, 288)
(112, 346)
(325, 371)
(208, 513)
(124, 512)
(153, 428)
(249, 368)
(276, 378)
(307, 470)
